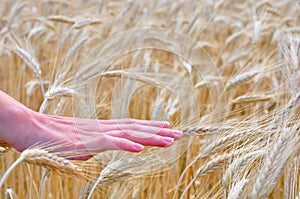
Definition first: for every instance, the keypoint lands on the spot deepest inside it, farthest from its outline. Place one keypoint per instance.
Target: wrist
(15, 125)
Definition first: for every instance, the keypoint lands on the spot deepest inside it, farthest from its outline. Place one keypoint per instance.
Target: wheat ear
(281, 151)
(32, 63)
(251, 99)
(55, 92)
(29, 60)
(58, 92)
(241, 78)
(86, 22)
(221, 143)
(237, 165)
(214, 163)
(61, 19)
(136, 76)
(236, 190)
(43, 158)
(200, 130)
(290, 178)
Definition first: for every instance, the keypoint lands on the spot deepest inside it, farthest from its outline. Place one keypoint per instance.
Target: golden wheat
(226, 73)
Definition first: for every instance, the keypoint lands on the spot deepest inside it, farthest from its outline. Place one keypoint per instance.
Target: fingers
(163, 124)
(142, 138)
(106, 142)
(125, 134)
(85, 128)
(142, 128)
(146, 126)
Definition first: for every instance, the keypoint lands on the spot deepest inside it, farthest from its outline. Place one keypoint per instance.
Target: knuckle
(123, 133)
(130, 120)
(136, 127)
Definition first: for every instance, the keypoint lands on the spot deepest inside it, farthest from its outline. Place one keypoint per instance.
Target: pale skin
(22, 127)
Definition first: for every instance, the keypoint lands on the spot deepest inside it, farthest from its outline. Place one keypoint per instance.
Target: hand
(77, 138)
(85, 137)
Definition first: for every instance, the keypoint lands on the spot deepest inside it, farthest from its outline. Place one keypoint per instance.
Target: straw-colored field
(225, 72)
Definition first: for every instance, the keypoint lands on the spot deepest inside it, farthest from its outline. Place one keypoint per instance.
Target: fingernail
(166, 124)
(178, 134)
(168, 140)
(138, 147)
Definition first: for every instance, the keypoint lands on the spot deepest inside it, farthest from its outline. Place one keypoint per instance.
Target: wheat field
(226, 73)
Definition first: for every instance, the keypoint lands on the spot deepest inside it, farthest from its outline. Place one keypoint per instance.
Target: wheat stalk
(10, 194)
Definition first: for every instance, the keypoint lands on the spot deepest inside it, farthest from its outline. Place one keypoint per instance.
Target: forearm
(6, 100)
(13, 114)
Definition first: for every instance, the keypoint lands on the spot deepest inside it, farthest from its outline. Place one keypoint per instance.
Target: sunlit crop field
(226, 73)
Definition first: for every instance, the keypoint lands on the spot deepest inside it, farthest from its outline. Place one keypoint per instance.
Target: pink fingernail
(168, 140)
(166, 124)
(138, 147)
(178, 134)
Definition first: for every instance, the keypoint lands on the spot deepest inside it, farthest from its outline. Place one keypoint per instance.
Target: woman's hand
(89, 136)
(77, 138)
